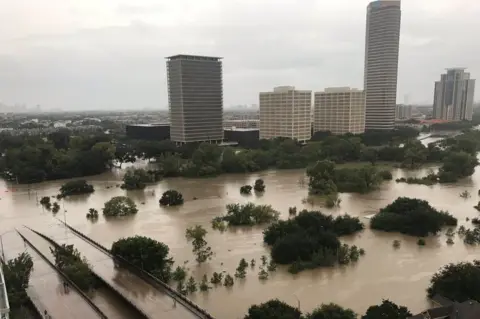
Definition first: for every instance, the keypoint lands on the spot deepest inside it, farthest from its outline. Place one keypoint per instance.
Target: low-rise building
(153, 132)
(447, 309)
(242, 123)
(245, 137)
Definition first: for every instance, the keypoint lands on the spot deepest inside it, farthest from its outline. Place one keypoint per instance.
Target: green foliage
(55, 208)
(386, 175)
(136, 179)
(180, 274)
(145, 253)
(76, 268)
(36, 160)
(396, 243)
(248, 215)
(119, 206)
(387, 310)
(124, 154)
(413, 217)
(228, 281)
(45, 201)
(171, 198)
(325, 179)
(457, 165)
(321, 177)
(17, 275)
(241, 269)
(204, 284)
(331, 311)
(191, 285)
(200, 249)
(76, 187)
(450, 241)
(292, 211)
(421, 242)
(273, 309)
(216, 278)
(458, 282)
(262, 274)
(246, 189)
(310, 240)
(92, 214)
(259, 185)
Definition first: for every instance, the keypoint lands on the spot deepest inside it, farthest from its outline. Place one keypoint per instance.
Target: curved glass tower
(381, 63)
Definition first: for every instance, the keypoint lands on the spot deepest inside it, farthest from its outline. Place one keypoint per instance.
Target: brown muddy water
(400, 275)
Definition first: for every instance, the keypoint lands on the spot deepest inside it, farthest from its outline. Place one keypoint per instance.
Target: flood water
(400, 275)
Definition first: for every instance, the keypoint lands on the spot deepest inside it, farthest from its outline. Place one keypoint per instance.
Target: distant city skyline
(109, 55)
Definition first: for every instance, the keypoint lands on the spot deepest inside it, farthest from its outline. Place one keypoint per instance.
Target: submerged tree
(387, 310)
(171, 198)
(145, 253)
(200, 249)
(120, 206)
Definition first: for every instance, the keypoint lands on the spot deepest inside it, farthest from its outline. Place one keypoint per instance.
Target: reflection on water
(401, 275)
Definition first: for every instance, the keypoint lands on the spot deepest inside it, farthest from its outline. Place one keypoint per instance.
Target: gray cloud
(264, 44)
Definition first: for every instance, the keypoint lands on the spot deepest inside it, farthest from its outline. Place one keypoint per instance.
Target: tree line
(62, 155)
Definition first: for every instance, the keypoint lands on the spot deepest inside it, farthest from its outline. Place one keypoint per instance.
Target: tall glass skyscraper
(381, 63)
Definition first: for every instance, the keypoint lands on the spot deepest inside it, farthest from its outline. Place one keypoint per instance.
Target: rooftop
(150, 124)
(241, 129)
(192, 57)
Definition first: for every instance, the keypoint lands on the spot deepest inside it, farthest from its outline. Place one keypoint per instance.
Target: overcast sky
(109, 54)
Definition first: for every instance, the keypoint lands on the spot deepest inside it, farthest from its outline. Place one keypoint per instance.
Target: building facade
(403, 112)
(195, 98)
(243, 123)
(285, 112)
(381, 63)
(245, 137)
(340, 111)
(152, 132)
(453, 97)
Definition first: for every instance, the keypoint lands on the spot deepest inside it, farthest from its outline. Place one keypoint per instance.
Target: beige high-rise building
(339, 110)
(382, 42)
(285, 112)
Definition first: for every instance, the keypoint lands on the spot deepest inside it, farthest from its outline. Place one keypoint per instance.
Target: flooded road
(400, 275)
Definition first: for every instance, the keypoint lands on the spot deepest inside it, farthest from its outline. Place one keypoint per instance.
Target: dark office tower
(381, 63)
(195, 98)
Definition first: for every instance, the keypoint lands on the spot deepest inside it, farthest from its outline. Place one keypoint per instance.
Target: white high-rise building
(453, 97)
(339, 110)
(381, 63)
(285, 112)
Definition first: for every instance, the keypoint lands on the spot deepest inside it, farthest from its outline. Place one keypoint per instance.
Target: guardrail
(4, 305)
(54, 243)
(146, 276)
(71, 283)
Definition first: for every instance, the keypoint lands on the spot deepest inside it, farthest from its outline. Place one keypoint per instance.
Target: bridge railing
(4, 305)
(154, 281)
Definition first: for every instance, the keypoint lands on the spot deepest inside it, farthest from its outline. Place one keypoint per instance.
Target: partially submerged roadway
(153, 302)
(47, 292)
(107, 301)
